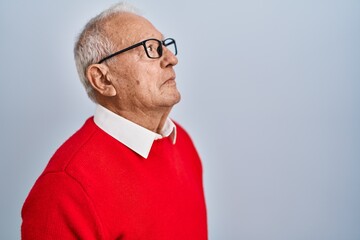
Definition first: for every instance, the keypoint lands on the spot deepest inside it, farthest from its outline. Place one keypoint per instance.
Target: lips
(170, 80)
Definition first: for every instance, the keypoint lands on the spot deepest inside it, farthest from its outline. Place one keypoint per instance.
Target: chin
(172, 100)
(177, 97)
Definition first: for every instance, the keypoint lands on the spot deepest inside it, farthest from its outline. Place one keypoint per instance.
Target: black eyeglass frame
(166, 42)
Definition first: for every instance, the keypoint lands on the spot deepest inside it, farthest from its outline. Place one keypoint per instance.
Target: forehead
(127, 28)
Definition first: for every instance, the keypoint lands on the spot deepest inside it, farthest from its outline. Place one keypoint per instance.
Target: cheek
(142, 86)
(143, 78)
(149, 79)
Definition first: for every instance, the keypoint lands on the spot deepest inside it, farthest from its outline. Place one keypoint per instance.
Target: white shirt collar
(132, 135)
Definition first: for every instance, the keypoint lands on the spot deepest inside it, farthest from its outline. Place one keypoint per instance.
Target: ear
(98, 76)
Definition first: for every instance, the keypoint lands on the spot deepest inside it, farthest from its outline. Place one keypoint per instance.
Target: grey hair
(92, 44)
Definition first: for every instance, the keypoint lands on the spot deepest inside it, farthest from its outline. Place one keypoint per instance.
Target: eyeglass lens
(170, 44)
(154, 48)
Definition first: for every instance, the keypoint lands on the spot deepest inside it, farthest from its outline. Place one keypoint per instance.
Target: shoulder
(187, 148)
(71, 147)
(180, 131)
(183, 138)
(87, 153)
(86, 144)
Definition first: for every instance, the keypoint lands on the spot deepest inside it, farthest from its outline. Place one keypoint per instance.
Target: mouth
(170, 81)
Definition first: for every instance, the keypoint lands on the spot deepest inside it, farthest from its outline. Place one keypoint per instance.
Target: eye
(151, 48)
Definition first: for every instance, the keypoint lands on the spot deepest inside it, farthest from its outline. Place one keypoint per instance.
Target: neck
(151, 120)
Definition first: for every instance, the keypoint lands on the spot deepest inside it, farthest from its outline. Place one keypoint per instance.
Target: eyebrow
(162, 37)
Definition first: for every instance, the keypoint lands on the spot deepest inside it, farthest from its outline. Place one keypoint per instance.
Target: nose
(168, 58)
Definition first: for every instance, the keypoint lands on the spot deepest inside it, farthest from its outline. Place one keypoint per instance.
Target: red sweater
(94, 187)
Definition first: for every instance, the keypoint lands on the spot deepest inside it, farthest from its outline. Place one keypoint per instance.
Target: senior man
(129, 172)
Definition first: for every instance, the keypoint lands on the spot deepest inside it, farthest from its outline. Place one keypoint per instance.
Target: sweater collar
(132, 135)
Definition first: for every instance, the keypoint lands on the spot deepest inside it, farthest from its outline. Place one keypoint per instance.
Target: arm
(58, 208)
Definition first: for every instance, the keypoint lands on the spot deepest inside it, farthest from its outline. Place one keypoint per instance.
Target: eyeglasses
(153, 48)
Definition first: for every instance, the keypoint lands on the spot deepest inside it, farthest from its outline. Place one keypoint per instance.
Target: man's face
(141, 83)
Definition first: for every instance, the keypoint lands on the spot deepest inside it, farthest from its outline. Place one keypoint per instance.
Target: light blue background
(271, 97)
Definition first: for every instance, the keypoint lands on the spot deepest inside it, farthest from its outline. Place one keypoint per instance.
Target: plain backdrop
(270, 94)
